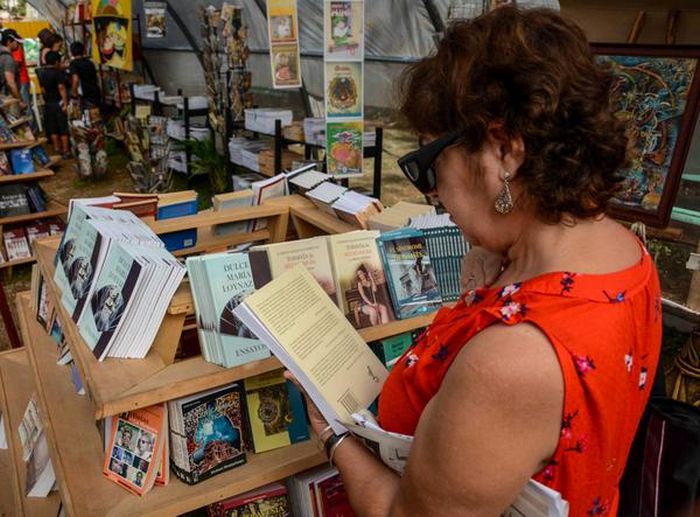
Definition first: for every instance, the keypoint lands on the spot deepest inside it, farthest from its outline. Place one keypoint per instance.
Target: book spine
(177, 210)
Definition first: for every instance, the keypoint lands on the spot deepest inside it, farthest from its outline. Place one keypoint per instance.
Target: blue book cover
(409, 272)
(39, 154)
(21, 160)
(114, 287)
(230, 279)
(184, 238)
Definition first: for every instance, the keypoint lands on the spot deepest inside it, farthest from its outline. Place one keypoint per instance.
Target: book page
(317, 342)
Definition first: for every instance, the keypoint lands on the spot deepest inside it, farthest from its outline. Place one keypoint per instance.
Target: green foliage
(208, 162)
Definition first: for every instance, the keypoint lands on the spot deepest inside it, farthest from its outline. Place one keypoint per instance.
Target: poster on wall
(154, 14)
(283, 38)
(343, 27)
(112, 33)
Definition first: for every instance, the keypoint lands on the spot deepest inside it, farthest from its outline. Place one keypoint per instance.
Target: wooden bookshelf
(52, 210)
(19, 122)
(77, 448)
(22, 143)
(12, 263)
(8, 502)
(308, 220)
(17, 178)
(16, 387)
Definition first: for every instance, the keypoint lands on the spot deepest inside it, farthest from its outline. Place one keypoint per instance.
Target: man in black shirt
(83, 78)
(53, 83)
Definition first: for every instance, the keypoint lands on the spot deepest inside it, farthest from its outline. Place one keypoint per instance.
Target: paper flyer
(343, 28)
(283, 38)
(154, 12)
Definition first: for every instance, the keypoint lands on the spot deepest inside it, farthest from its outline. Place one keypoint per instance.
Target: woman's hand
(318, 423)
(480, 268)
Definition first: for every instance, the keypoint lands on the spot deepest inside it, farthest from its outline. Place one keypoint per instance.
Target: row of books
(116, 279)
(373, 278)
(21, 199)
(17, 240)
(23, 161)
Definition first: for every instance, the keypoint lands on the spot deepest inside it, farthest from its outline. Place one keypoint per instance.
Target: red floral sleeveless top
(606, 332)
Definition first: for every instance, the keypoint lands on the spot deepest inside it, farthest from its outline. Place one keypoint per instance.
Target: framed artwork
(656, 91)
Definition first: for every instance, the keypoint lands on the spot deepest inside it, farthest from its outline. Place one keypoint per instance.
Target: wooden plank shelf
(19, 122)
(17, 178)
(16, 387)
(18, 262)
(77, 449)
(52, 211)
(22, 143)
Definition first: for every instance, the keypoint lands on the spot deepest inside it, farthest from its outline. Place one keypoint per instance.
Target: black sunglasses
(418, 165)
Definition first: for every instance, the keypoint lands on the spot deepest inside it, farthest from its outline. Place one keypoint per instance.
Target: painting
(112, 34)
(655, 91)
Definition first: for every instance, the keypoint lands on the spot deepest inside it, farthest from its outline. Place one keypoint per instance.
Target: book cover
(37, 230)
(81, 272)
(333, 498)
(111, 294)
(231, 280)
(311, 253)
(212, 435)
(344, 148)
(267, 501)
(13, 200)
(389, 350)
(133, 455)
(312, 338)
(179, 209)
(264, 190)
(344, 30)
(40, 156)
(409, 272)
(5, 168)
(40, 476)
(230, 201)
(359, 277)
(140, 208)
(276, 411)
(21, 160)
(16, 244)
(343, 89)
(36, 198)
(178, 204)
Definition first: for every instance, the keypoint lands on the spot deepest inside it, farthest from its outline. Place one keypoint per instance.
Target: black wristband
(332, 440)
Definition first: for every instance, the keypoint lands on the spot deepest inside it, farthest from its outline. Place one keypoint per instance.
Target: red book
(267, 501)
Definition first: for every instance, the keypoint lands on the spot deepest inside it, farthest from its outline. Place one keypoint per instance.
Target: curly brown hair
(534, 71)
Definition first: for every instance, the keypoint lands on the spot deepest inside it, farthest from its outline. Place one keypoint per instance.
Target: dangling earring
(504, 199)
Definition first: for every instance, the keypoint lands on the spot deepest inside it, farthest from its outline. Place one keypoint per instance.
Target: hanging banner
(283, 38)
(112, 33)
(343, 55)
(154, 14)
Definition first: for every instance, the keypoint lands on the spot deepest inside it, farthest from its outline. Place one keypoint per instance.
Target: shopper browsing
(18, 56)
(83, 74)
(53, 82)
(10, 42)
(545, 371)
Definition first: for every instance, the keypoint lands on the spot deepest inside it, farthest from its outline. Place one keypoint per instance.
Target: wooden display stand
(116, 385)
(16, 388)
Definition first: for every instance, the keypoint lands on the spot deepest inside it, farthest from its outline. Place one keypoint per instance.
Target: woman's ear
(509, 149)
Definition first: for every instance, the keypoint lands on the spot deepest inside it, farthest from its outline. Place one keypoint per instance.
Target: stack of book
(356, 209)
(314, 130)
(266, 160)
(446, 248)
(207, 433)
(116, 280)
(305, 178)
(176, 130)
(319, 492)
(325, 194)
(231, 201)
(244, 152)
(219, 282)
(267, 501)
(262, 120)
(398, 216)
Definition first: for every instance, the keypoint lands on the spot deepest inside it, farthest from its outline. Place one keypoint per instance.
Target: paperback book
(231, 201)
(21, 160)
(276, 412)
(409, 272)
(16, 244)
(207, 433)
(267, 501)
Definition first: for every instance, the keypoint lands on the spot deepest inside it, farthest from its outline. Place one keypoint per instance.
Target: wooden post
(637, 27)
(672, 26)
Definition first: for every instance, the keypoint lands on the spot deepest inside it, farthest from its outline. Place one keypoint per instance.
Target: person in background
(24, 81)
(53, 82)
(83, 75)
(9, 42)
(544, 368)
(45, 36)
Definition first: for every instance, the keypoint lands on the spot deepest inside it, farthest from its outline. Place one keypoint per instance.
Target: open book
(302, 326)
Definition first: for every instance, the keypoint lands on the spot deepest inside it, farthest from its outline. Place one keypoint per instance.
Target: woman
(367, 289)
(543, 373)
